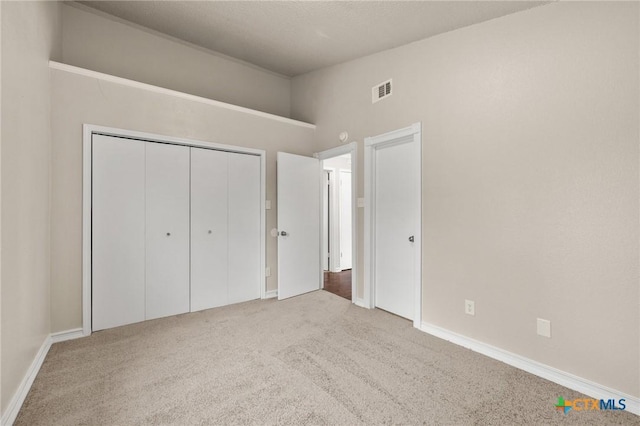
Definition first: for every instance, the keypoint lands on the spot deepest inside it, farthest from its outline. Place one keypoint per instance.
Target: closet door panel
(117, 232)
(167, 230)
(208, 228)
(245, 275)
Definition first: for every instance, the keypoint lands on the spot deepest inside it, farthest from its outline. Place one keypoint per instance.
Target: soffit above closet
(295, 37)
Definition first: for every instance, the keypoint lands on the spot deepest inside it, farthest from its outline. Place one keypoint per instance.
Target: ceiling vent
(381, 91)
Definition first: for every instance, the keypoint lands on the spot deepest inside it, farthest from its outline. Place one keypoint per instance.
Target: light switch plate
(267, 205)
(360, 202)
(469, 307)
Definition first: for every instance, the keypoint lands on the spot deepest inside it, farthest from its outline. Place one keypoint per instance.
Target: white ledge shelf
(157, 89)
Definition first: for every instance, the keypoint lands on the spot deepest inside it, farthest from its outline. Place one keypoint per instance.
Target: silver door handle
(283, 233)
(411, 239)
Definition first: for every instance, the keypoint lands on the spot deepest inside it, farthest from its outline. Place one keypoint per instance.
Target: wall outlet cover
(544, 327)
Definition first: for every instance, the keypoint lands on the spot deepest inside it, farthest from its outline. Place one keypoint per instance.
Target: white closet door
(208, 228)
(245, 276)
(117, 233)
(167, 230)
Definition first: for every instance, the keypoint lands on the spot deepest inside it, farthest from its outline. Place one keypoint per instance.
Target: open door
(298, 224)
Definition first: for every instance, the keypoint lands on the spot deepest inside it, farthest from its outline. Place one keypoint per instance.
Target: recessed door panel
(117, 232)
(167, 230)
(245, 275)
(209, 254)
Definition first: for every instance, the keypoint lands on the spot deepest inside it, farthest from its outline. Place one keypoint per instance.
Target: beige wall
(1, 410)
(30, 36)
(87, 100)
(530, 176)
(101, 43)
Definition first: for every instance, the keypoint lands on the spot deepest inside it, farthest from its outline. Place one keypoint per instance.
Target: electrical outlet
(544, 327)
(469, 307)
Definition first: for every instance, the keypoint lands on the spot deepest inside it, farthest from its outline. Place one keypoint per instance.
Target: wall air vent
(381, 91)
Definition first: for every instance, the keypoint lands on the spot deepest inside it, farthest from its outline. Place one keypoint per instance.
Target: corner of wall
(32, 35)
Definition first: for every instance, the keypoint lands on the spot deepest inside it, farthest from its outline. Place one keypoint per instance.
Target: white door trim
(411, 134)
(88, 131)
(350, 148)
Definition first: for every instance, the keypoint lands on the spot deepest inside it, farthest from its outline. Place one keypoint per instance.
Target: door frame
(352, 149)
(326, 218)
(88, 130)
(411, 134)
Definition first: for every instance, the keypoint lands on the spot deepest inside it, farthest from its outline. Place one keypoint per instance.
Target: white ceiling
(295, 37)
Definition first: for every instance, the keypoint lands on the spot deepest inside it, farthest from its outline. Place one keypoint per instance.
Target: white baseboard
(552, 374)
(10, 414)
(62, 336)
(271, 294)
(360, 302)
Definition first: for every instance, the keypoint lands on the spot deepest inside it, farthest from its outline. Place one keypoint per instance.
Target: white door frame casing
(88, 131)
(352, 149)
(326, 225)
(411, 134)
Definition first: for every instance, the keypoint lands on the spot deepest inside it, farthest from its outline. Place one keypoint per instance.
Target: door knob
(168, 234)
(283, 233)
(411, 239)
(210, 231)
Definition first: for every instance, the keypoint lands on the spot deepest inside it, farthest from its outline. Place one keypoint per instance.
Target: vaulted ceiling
(295, 37)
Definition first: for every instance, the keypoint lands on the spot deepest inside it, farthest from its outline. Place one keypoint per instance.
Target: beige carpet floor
(314, 359)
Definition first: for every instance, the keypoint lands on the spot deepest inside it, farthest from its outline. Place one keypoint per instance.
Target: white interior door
(299, 225)
(167, 230)
(244, 266)
(209, 188)
(345, 220)
(396, 225)
(117, 232)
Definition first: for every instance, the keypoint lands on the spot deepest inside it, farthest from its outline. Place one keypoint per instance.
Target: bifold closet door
(209, 170)
(117, 231)
(167, 230)
(245, 275)
(225, 228)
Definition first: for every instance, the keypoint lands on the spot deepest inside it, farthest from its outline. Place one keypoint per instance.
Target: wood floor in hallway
(338, 283)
